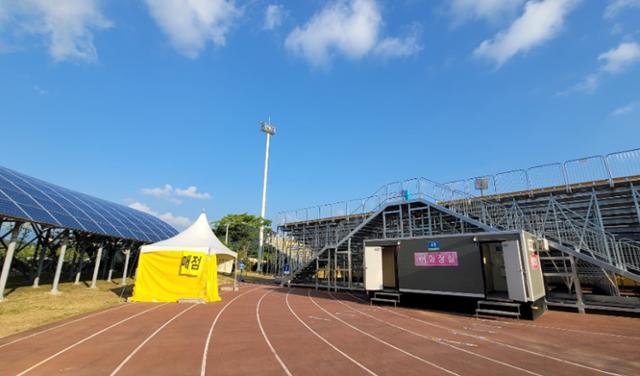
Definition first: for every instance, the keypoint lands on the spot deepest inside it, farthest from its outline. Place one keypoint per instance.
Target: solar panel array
(34, 200)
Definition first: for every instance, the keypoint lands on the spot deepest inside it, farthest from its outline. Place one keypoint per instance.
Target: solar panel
(34, 200)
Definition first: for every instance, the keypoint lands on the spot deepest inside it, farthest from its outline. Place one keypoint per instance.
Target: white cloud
(159, 192)
(588, 85)
(141, 207)
(170, 218)
(273, 16)
(190, 24)
(489, 10)
(192, 192)
(175, 220)
(616, 6)
(168, 192)
(623, 110)
(614, 61)
(399, 47)
(348, 27)
(620, 58)
(541, 21)
(67, 26)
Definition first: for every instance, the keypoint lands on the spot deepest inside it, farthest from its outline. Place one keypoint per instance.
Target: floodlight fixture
(267, 128)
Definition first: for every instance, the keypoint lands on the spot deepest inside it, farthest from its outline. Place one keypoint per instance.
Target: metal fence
(561, 174)
(554, 221)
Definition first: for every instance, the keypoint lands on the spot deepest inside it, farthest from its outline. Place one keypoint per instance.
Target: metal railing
(553, 221)
(561, 174)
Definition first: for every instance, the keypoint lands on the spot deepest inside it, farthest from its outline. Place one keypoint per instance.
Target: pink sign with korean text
(436, 258)
(535, 262)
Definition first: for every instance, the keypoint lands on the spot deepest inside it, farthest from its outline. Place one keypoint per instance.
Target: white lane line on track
(115, 371)
(567, 330)
(88, 338)
(440, 341)
(381, 340)
(325, 340)
(63, 324)
(485, 325)
(273, 351)
(482, 338)
(538, 326)
(479, 330)
(203, 367)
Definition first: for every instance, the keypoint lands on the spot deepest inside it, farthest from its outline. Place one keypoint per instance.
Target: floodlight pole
(270, 130)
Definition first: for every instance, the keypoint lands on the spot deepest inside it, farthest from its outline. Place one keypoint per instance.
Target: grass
(256, 277)
(25, 308)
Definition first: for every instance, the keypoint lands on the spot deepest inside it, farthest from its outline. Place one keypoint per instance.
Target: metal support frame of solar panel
(29, 199)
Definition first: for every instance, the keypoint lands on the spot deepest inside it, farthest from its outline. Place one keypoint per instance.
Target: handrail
(554, 221)
(609, 164)
(604, 167)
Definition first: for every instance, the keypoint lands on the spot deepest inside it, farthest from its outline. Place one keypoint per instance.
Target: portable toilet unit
(500, 269)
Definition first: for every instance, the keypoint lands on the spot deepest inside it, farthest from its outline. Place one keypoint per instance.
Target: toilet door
(514, 270)
(373, 277)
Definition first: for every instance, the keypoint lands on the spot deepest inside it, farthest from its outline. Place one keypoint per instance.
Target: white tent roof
(197, 237)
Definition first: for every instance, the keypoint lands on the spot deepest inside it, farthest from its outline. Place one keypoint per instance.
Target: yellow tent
(183, 267)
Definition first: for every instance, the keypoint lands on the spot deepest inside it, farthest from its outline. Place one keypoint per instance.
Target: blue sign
(286, 269)
(433, 246)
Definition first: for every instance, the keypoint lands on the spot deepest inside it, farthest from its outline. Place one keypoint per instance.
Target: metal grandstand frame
(322, 241)
(567, 174)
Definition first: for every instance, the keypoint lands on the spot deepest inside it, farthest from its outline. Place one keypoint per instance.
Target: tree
(244, 230)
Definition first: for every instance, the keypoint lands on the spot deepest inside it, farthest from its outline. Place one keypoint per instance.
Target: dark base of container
(464, 305)
(533, 310)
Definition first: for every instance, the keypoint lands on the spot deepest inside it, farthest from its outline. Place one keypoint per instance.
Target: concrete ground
(268, 330)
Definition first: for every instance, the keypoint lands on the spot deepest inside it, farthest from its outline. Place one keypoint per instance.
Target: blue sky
(121, 98)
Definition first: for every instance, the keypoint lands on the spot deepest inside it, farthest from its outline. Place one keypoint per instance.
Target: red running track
(268, 330)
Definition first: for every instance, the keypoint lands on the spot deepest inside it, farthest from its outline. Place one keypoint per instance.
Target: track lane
(538, 359)
(377, 354)
(371, 356)
(210, 337)
(599, 355)
(102, 353)
(299, 345)
(177, 349)
(39, 365)
(290, 332)
(237, 346)
(149, 338)
(575, 353)
(621, 327)
(32, 349)
(481, 361)
(266, 338)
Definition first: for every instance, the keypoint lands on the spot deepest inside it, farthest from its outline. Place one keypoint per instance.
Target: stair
(435, 209)
(492, 308)
(385, 297)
